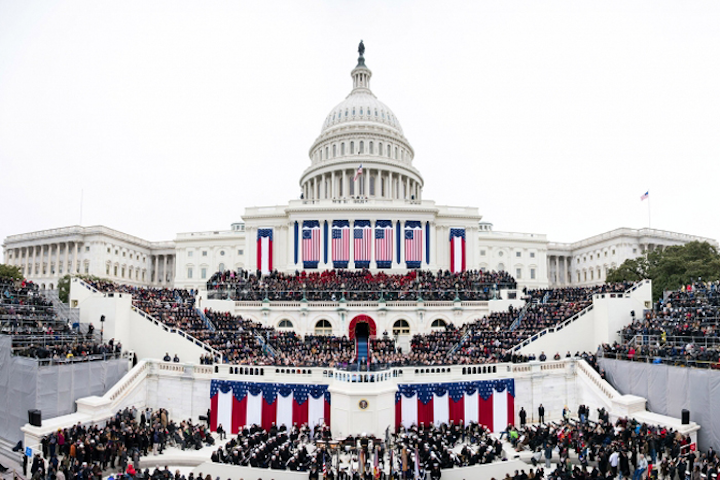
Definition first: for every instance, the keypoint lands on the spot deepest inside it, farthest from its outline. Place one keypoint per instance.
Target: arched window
(362, 147)
(438, 324)
(352, 148)
(221, 267)
(334, 150)
(323, 327)
(285, 323)
(501, 267)
(396, 150)
(327, 153)
(361, 110)
(401, 327)
(346, 113)
(380, 150)
(371, 148)
(342, 148)
(353, 111)
(388, 151)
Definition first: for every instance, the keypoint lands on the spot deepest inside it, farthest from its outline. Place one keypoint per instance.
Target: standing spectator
(541, 413)
(523, 416)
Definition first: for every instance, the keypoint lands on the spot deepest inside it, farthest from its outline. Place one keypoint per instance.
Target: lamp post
(304, 286)
(382, 293)
(457, 295)
(342, 287)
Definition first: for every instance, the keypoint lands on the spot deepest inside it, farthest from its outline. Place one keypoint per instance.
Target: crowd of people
(360, 285)
(604, 450)
(243, 342)
(681, 329)
(87, 452)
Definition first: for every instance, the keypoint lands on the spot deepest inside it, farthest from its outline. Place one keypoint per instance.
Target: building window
(204, 253)
(122, 272)
(371, 148)
(203, 273)
(190, 253)
(361, 147)
(116, 252)
(438, 323)
(532, 254)
(108, 249)
(115, 271)
(518, 273)
(87, 268)
(189, 275)
(396, 153)
(388, 151)
(323, 327)
(501, 267)
(518, 254)
(532, 274)
(613, 252)
(342, 148)
(500, 253)
(592, 274)
(352, 148)
(240, 252)
(327, 153)
(401, 327)
(285, 324)
(634, 250)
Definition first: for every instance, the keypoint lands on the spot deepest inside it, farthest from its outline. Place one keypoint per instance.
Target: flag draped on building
(487, 402)
(265, 250)
(457, 250)
(413, 244)
(340, 243)
(362, 234)
(236, 404)
(383, 243)
(311, 243)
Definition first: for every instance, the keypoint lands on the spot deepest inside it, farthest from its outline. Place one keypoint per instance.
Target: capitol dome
(361, 106)
(361, 133)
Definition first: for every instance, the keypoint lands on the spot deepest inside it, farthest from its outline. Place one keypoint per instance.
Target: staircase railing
(72, 315)
(520, 317)
(208, 322)
(459, 343)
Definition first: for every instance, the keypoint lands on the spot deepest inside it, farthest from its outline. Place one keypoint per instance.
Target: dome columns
(373, 183)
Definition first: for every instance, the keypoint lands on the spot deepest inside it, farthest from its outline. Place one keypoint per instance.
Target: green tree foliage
(10, 271)
(672, 268)
(63, 286)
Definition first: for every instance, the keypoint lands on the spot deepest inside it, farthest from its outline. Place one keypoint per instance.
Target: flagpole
(649, 224)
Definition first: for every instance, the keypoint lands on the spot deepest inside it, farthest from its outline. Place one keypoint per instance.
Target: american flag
(383, 243)
(413, 244)
(358, 173)
(311, 243)
(340, 243)
(362, 235)
(324, 466)
(645, 196)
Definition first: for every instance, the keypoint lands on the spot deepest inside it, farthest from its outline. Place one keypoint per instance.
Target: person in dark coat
(541, 413)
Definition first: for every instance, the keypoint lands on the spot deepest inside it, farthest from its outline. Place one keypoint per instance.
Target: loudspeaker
(685, 416)
(35, 418)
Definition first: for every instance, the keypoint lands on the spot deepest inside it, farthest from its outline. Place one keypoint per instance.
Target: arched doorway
(361, 329)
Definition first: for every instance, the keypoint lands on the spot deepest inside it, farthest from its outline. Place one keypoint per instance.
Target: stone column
(57, 259)
(344, 184)
(366, 181)
(155, 269)
(76, 259)
(67, 255)
(165, 267)
(333, 195)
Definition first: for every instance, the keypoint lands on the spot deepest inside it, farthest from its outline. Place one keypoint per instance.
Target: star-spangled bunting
(270, 391)
(485, 389)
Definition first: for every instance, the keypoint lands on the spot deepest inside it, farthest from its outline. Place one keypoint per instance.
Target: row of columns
(32, 259)
(163, 262)
(559, 272)
(337, 184)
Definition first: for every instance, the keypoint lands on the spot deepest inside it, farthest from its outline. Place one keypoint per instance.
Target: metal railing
(336, 295)
(679, 361)
(673, 341)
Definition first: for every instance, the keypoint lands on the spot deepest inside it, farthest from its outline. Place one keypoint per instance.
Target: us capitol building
(361, 206)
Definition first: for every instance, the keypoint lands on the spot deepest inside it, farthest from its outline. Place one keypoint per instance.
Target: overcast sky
(173, 116)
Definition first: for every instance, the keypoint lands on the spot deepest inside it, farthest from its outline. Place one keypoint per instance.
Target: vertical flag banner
(340, 243)
(236, 404)
(265, 250)
(383, 244)
(327, 242)
(311, 243)
(457, 250)
(362, 234)
(413, 244)
(427, 241)
(488, 402)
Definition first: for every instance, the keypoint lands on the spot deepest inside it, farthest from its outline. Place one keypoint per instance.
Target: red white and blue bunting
(487, 402)
(236, 404)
